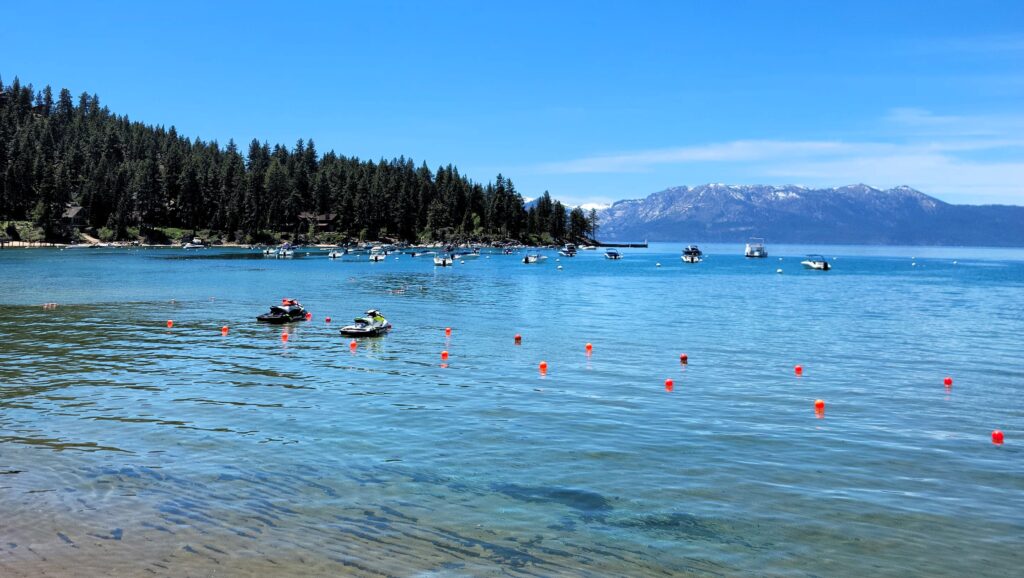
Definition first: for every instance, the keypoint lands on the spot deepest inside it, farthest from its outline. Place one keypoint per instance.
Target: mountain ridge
(855, 214)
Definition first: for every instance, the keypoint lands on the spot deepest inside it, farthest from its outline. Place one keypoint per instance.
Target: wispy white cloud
(938, 174)
(920, 122)
(973, 158)
(641, 161)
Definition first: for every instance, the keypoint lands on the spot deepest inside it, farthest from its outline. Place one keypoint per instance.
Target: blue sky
(593, 101)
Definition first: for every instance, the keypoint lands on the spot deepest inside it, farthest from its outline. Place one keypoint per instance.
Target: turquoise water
(130, 448)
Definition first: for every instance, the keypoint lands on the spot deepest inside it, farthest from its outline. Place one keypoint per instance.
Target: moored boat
(443, 260)
(692, 254)
(613, 254)
(755, 248)
(569, 250)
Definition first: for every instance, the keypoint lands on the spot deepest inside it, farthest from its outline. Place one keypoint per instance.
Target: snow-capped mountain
(796, 214)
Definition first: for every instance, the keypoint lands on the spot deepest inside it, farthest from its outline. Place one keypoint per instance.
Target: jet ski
(287, 312)
(370, 325)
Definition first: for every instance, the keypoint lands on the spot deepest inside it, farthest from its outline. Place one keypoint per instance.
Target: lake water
(129, 448)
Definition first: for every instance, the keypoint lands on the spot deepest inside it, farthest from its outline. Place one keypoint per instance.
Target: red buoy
(590, 349)
(448, 331)
(224, 330)
(683, 358)
(284, 336)
(444, 356)
(819, 405)
(799, 370)
(543, 366)
(170, 323)
(327, 319)
(309, 316)
(669, 384)
(997, 437)
(519, 339)
(352, 345)
(948, 381)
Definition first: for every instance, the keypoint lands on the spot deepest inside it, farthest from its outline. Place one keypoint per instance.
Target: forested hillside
(136, 180)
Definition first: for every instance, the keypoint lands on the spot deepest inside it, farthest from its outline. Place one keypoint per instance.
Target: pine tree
(126, 173)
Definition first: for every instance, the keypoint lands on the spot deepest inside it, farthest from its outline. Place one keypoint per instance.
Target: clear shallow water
(129, 448)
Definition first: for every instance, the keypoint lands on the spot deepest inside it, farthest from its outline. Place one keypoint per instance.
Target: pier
(625, 245)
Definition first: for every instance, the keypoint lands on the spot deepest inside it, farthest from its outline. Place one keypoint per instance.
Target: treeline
(135, 179)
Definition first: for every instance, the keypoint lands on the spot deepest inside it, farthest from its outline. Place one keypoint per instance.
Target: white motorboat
(569, 250)
(376, 257)
(816, 262)
(612, 254)
(335, 254)
(755, 248)
(692, 254)
(443, 260)
(533, 258)
(468, 253)
(282, 252)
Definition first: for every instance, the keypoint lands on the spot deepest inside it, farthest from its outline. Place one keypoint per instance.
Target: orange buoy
(448, 331)
(284, 336)
(799, 370)
(669, 384)
(997, 437)
(948, 381)
(309, 316)
(819, 405)
(590, 349)
(683, 358)
(224, 330)
(444, 356)
(543, 366)
(519, 339)
(352, 345)
(170, 323)
(327, 319)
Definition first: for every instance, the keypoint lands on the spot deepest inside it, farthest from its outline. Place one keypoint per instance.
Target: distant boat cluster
(448, 255)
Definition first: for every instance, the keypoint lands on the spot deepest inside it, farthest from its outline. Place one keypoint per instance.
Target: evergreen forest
(70, 165)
